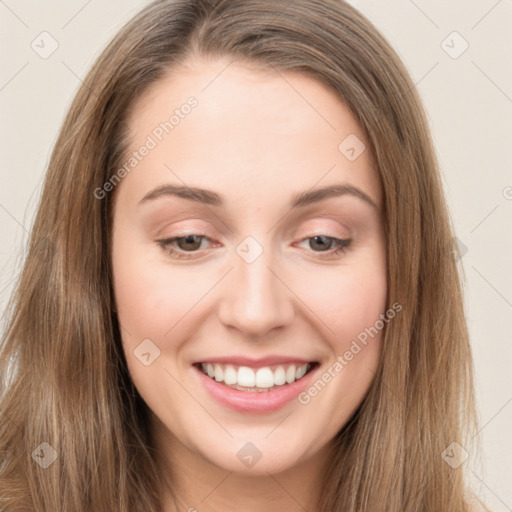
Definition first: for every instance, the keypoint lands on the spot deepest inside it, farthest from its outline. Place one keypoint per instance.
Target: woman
(309, 351)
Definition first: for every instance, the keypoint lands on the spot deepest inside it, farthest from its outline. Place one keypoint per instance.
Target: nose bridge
(255, 300)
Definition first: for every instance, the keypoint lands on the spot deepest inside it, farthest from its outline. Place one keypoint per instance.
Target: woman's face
(271, 270)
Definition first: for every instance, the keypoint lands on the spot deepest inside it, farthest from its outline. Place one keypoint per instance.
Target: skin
(256, 138)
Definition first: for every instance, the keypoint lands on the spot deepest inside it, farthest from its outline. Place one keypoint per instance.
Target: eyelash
(340, 246)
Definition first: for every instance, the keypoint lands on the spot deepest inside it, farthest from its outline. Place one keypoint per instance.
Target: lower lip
(255, 402)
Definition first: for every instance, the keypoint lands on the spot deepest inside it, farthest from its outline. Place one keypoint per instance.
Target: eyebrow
(299, 200)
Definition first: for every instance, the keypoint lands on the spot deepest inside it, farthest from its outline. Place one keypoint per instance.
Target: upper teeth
(260, 378)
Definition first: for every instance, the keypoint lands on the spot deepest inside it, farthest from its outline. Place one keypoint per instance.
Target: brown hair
(65, 380)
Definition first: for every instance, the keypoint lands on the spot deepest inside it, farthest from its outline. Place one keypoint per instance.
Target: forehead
(257, 128)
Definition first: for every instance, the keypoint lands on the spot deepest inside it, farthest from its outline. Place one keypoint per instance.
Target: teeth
(264, 378)
(230, 375)
(279, 376)
(290, 374)
(261, 379)
(246, 377)
(218, 373)
(301, 371)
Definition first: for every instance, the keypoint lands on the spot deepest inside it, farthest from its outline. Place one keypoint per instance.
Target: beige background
(468, 96)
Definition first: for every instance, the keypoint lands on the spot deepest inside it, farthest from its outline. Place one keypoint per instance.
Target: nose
(256, 298)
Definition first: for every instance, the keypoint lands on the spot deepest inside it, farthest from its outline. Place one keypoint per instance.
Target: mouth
(256, 380)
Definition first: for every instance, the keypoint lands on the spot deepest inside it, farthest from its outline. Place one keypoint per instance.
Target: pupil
(189, 239)
(316, 238)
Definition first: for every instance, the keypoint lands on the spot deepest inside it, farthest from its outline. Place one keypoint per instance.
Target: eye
(179, 246)
(186, 244)
(327, 244)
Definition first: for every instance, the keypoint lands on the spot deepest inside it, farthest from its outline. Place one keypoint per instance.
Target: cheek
(350, 307)
(336, 304)
(150, 296)
(348, 300)
(151, 299)
(357, 304)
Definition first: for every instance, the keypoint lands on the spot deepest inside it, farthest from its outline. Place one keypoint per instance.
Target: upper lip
(247, 361)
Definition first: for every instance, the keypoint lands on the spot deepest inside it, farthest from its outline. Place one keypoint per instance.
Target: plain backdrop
(458, 54)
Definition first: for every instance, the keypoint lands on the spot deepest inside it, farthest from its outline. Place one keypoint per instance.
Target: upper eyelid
(315, 231)
(346, 221)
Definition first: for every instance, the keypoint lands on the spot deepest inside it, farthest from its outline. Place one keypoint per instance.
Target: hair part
(65, 375)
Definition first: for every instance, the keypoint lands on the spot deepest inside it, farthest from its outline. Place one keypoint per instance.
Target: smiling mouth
(264, 379)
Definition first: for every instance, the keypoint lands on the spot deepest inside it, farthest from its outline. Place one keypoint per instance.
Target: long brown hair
(64, 375)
